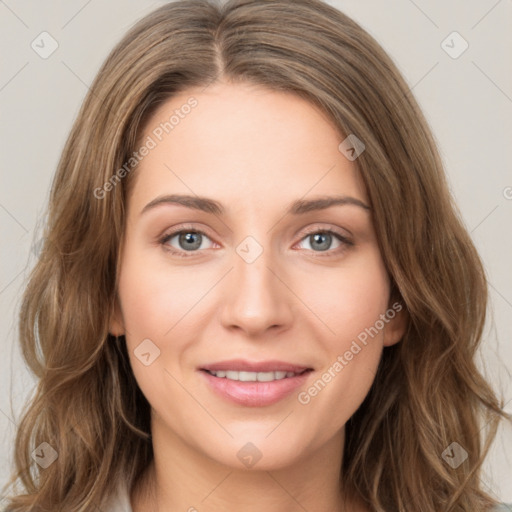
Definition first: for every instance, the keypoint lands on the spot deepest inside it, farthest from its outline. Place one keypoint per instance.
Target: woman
(195, 349)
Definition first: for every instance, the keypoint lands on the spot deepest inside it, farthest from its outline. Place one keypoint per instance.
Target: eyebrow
(298, 207)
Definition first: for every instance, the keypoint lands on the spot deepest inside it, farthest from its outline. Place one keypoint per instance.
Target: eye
(187, 240)
(190, 240)
(321, 241)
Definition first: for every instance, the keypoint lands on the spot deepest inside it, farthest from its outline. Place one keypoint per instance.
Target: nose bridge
(256, 299)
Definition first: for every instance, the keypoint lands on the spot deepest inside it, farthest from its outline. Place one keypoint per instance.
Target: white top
(120, 502)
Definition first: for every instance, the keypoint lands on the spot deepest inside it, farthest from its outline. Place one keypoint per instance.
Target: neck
(182, 478)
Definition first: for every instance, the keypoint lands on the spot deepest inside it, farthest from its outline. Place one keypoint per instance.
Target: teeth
(252, 376)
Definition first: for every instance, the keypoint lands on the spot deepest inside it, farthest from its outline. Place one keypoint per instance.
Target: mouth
(254, 384)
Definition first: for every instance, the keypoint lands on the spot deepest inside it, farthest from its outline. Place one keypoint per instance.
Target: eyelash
(322, 254)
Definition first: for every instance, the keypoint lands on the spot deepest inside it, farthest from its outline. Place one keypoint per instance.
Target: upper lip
(241, 365)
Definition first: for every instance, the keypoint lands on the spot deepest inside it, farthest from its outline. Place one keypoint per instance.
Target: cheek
(352, 299)
(357, 297)
(153, 301)
(160, 303)
(155, 296)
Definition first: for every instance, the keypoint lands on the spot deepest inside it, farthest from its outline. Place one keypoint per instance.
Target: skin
(255, 151)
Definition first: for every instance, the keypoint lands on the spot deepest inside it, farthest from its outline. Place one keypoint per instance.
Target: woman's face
(293, 318)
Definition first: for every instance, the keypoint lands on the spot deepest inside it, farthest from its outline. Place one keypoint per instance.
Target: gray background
(467, 101)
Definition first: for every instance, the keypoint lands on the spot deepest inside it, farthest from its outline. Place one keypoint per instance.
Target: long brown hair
(428, 392)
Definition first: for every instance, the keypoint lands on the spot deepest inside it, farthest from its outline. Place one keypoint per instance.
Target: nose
(256, 296)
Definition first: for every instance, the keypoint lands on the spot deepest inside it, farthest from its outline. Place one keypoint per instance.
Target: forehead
(242, 140)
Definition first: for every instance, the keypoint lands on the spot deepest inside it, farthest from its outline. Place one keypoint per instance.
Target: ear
(396, 326)
(116, 323)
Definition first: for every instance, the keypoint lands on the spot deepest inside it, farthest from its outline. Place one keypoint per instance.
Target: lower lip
(255, 394)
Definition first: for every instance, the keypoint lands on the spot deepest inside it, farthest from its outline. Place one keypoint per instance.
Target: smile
(254, 384)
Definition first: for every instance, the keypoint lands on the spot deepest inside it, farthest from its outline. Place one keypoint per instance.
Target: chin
(260, 454)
